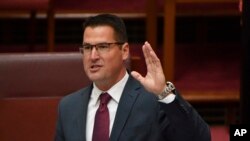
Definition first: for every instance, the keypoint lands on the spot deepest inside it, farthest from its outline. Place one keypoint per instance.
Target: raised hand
(154, 81)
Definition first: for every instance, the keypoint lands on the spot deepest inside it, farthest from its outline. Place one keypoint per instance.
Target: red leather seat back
(41, 74)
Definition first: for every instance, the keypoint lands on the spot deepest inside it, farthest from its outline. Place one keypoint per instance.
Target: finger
(138, 76)
(153, 62)
(152, 53)
(147, 49)
(148, 46)
(146, 54)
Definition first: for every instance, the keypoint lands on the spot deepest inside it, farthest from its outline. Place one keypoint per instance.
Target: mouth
(94, 68)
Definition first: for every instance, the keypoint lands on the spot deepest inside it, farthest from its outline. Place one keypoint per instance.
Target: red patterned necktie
(101, 125)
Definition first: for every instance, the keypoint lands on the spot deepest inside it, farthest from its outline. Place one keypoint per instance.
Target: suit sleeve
(180, 121)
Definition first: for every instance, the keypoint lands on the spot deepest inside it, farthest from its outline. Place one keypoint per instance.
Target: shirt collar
(115, 91)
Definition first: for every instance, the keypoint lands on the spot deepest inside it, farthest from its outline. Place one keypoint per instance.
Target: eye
(102, 46)
(87, 47)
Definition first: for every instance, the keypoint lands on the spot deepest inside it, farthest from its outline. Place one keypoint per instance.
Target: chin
(95, 77)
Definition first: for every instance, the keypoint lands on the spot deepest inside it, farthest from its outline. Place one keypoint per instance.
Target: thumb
(137, 76)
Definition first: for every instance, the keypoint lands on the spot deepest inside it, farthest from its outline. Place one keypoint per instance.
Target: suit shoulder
(74, 96)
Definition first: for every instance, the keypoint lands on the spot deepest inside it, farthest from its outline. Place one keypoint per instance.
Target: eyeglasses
(100, 47)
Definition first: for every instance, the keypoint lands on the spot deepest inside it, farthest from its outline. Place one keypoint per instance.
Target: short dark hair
(110, 20)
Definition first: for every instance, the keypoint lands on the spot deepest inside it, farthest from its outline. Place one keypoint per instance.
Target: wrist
(169, 88)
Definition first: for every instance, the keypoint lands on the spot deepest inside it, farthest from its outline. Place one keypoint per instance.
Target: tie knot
(104, 98)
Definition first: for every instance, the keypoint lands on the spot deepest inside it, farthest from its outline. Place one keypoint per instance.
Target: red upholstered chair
(41, 74)
(219, 133)
(31, 86)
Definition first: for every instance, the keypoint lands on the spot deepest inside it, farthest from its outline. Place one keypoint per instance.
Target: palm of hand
(154, 81)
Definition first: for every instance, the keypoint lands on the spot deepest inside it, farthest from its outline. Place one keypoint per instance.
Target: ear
(125, 51)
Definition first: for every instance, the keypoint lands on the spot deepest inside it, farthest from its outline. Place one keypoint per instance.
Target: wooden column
(151, 23)
(245, 76)
(32, 31)
(169, 39)
(51, 27)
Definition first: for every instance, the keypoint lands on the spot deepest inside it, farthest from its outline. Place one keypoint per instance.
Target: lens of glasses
(101, 47)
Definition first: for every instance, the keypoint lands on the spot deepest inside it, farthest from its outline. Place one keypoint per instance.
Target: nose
(94, 53)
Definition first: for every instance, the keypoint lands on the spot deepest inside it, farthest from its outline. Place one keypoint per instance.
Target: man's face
(105, 68)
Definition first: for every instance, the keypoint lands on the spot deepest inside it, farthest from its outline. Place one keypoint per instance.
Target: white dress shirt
(115, 92)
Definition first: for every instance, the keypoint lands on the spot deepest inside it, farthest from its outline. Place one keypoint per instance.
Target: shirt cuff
(168, 99)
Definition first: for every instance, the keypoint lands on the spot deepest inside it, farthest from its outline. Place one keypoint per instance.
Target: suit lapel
(81, 121)
(126, 103)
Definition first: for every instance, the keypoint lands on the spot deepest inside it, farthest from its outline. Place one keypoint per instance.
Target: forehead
(103, 31)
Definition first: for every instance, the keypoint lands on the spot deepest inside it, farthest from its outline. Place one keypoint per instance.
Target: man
(136, 108)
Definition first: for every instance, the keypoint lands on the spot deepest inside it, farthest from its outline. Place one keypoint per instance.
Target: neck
(108, 83)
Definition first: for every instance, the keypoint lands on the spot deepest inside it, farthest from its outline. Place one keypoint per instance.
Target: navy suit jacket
(140, 117)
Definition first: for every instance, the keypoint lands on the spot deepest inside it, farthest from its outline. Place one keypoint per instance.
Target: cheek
(85, 64)
(115, 62)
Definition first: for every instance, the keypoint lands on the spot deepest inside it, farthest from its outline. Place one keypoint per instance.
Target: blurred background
(198, 42)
